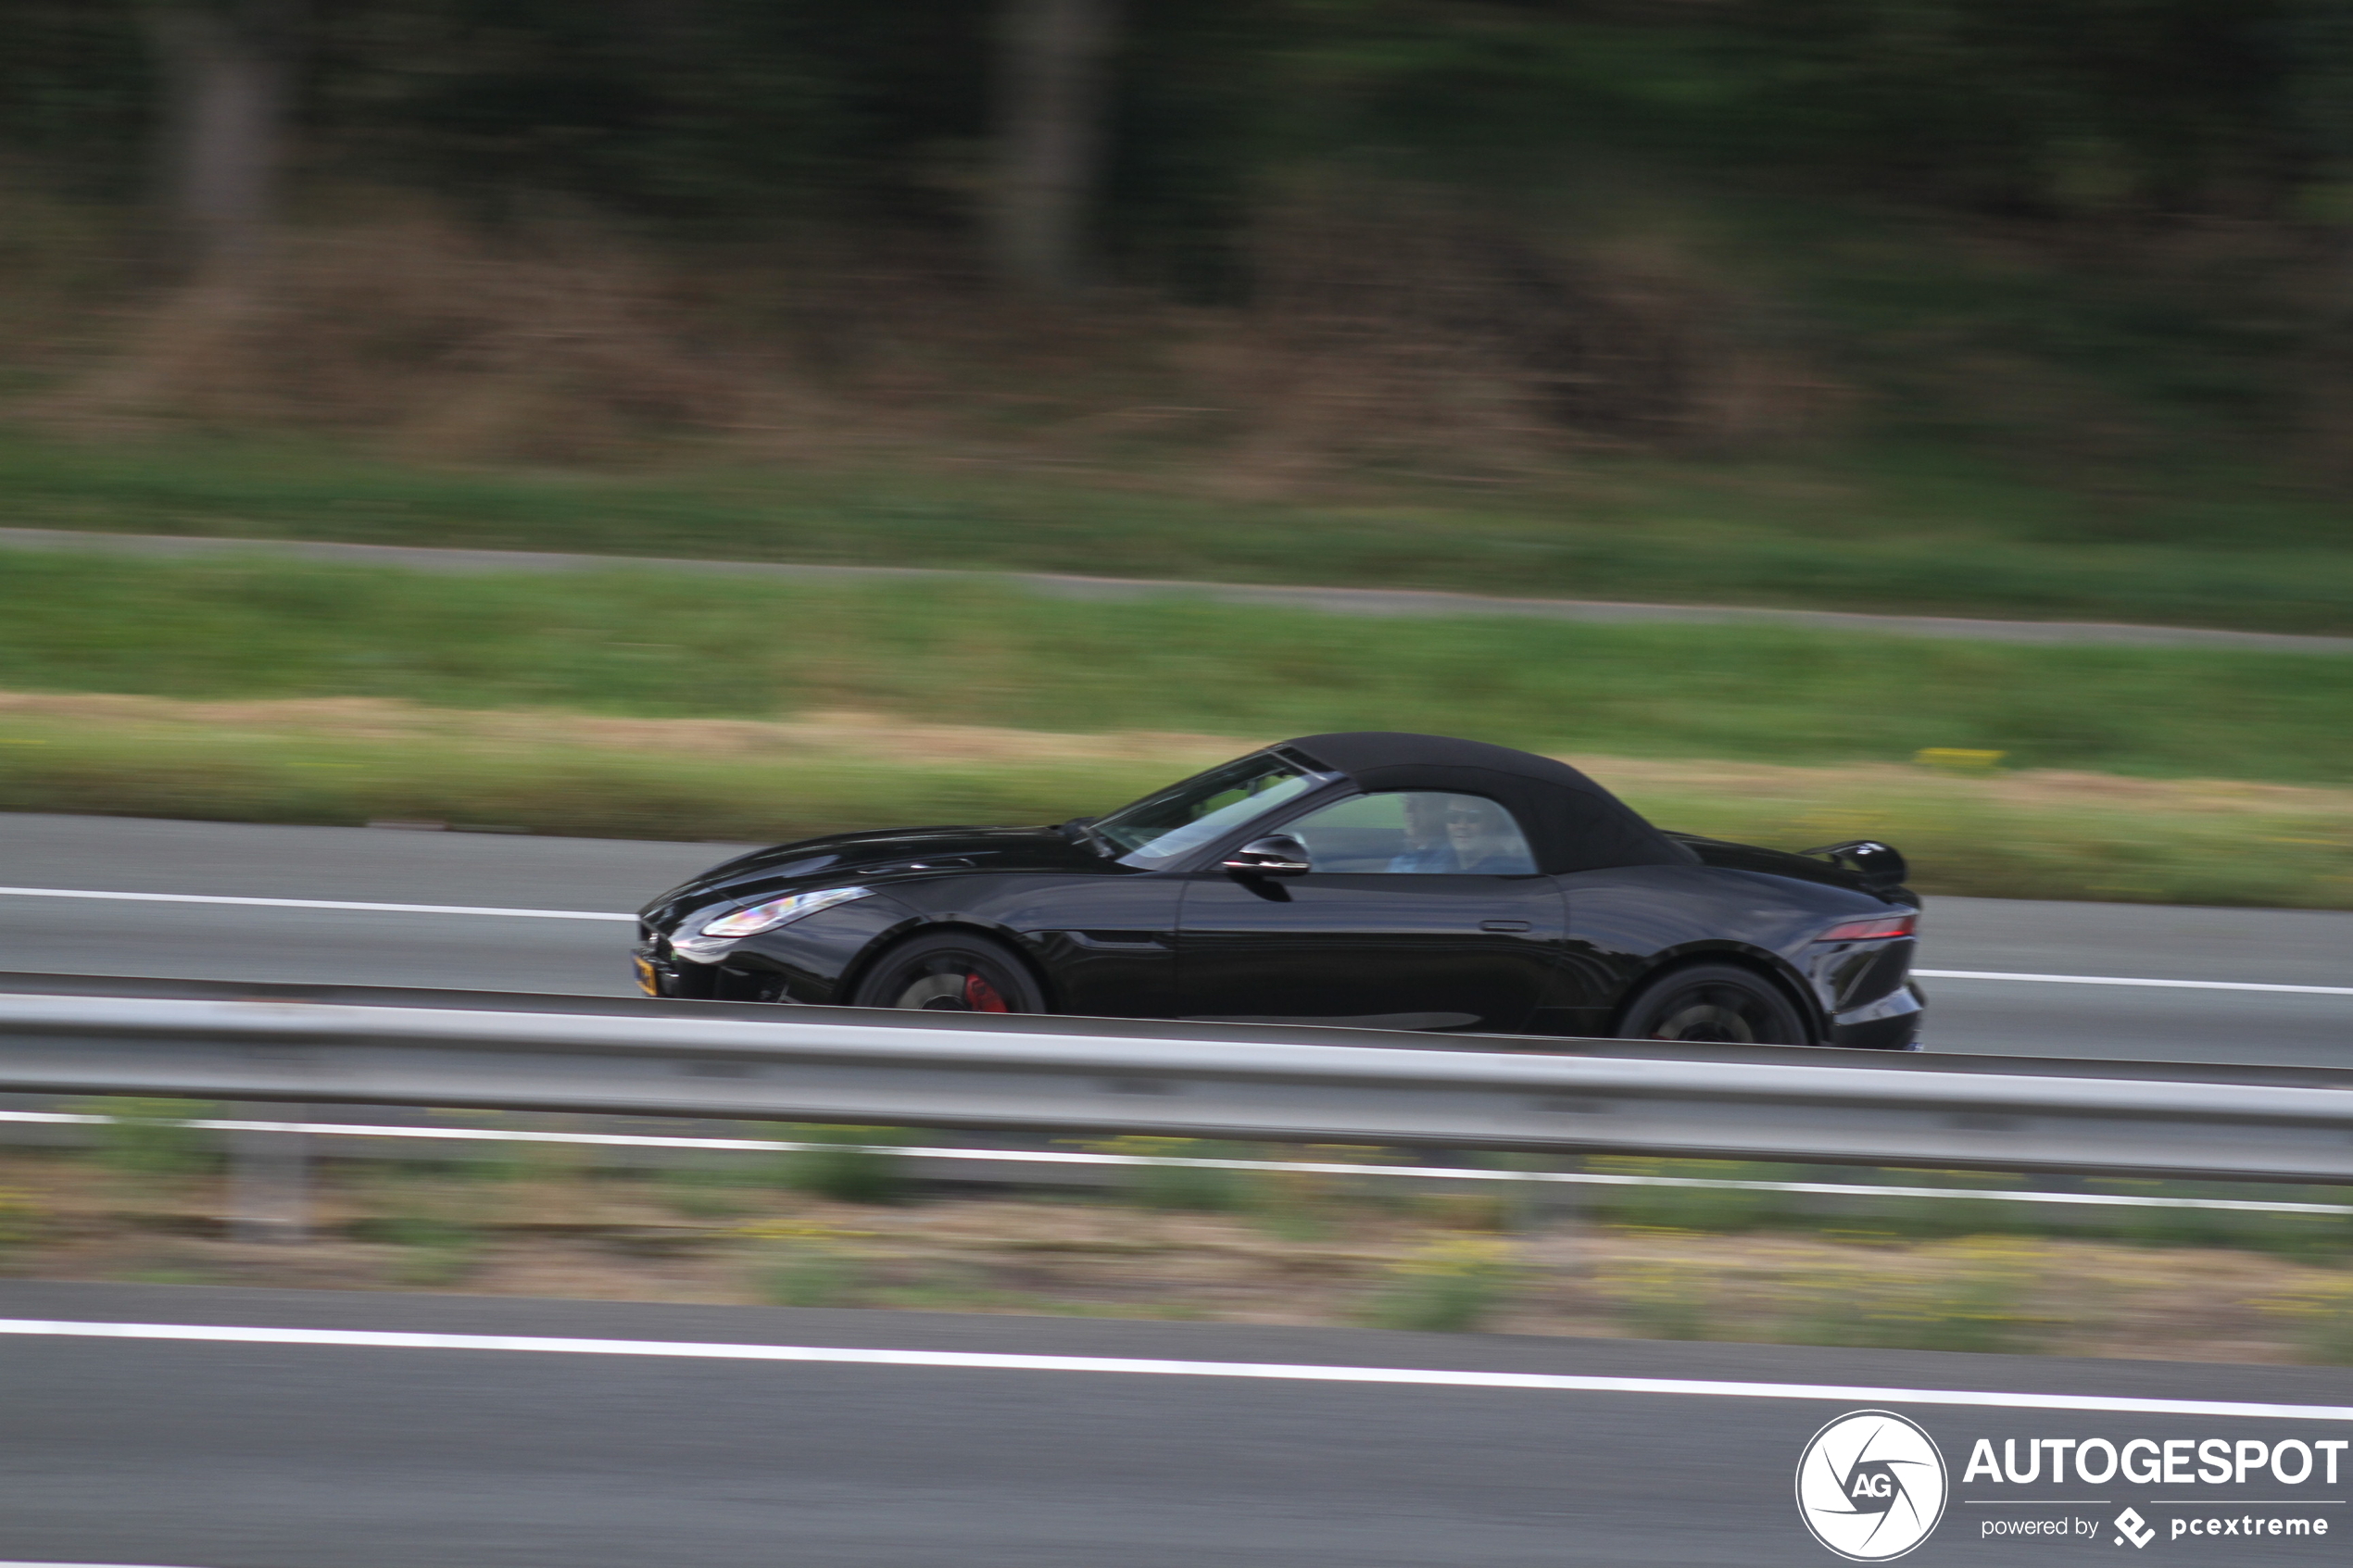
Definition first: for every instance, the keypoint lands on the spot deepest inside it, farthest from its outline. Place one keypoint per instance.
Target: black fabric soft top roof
(1573, 824)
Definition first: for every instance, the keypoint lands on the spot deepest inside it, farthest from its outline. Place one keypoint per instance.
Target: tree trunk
(1052, 92)
(228, 67)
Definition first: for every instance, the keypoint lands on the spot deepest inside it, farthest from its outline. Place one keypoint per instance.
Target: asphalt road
(271, 1455)
(2108, 941)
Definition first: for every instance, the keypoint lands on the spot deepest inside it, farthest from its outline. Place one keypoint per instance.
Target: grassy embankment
(1875, 529)
(841, 1226)
(642, 705)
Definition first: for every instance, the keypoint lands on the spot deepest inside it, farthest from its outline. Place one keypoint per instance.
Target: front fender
(813, 959)
(919, 925)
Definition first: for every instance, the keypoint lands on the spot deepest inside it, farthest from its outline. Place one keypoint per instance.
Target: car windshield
(1176, 821)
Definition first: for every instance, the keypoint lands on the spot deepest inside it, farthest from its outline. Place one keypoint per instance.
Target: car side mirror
(1278, 854)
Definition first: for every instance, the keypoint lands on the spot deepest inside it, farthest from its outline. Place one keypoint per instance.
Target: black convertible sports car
(1377, 880)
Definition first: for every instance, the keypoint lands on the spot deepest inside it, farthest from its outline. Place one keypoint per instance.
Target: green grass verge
(651, 645)
(1885, 529)
(2323, 1236)
(1964, 835)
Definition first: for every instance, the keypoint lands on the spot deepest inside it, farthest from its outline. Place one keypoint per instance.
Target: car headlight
(779, 911)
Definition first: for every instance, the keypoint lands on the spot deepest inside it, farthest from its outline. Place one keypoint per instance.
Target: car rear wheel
(953, 972)
(1721, 1004)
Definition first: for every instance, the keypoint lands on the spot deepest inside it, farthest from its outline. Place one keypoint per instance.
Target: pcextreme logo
(1871, 1486)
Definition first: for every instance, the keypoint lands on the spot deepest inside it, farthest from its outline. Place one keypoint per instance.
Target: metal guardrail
(1058, 1074)
(997, 1166)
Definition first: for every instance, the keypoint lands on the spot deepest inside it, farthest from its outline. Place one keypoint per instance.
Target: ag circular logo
(1871, 1486)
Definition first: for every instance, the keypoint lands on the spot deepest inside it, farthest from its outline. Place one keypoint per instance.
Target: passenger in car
(1428, 847)
(1485, 841)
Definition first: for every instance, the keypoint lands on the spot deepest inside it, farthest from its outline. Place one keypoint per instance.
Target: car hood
(870, 859)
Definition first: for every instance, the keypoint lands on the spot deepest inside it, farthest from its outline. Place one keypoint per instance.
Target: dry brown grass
(1393, 323)
(861, 735)
(871, 737)
(443, 340)
(1388, 326)
(2030, 834)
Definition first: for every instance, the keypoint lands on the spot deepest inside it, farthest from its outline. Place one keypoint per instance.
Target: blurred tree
(1052, 90)
(227, 68)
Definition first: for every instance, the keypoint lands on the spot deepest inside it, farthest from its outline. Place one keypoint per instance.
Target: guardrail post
(1562, 1206)
(269, 1182)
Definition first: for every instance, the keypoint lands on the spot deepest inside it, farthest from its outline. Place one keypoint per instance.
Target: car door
(1109, 940)
(1423, 910)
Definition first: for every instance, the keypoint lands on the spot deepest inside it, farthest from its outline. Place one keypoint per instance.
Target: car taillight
(1870, 930)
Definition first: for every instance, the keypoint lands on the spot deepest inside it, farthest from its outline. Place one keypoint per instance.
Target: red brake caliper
(981, 997)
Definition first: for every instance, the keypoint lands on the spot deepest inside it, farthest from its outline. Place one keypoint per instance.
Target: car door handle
(1503, 925)
(1131, 941)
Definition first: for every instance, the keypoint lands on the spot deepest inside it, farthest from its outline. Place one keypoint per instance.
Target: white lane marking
(1276, 1370)
(598, 914)
(1061, 1157)
(2112, 980)
(310, 904)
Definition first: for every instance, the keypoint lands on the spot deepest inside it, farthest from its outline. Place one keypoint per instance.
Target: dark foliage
(2133, 212)
(726, 109)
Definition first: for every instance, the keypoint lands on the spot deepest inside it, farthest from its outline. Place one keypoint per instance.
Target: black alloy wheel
(1715, 1004)
(954, 971)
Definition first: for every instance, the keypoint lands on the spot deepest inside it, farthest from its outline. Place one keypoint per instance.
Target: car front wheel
(953, 972)
(1719, 1004)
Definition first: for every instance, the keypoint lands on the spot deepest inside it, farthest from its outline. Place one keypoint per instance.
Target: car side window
(1411, 832)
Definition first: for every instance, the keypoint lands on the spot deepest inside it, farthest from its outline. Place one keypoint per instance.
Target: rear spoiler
(1882, 867)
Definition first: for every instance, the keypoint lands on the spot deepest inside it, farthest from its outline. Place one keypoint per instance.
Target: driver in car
(1427, 847)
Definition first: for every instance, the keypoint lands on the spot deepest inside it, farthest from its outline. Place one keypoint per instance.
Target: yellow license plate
(646, 981)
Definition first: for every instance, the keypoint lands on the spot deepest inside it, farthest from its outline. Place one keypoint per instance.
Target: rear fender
(1784, 976)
